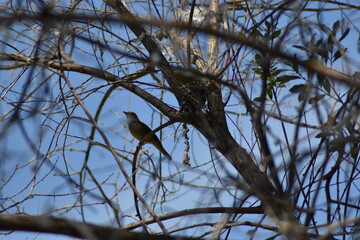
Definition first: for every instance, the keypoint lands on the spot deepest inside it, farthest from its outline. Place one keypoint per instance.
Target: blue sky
(51, 178)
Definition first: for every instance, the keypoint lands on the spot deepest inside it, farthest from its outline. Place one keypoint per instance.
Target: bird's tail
(157, 143)
(159, 146)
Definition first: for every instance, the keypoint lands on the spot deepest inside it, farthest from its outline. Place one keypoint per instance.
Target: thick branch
(74, 229)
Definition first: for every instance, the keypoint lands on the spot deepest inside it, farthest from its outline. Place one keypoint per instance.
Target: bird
(139, 130)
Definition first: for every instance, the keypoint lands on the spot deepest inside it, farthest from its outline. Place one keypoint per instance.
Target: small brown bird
(139, 130)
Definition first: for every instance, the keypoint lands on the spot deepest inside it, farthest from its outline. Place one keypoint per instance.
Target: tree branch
(73, 228)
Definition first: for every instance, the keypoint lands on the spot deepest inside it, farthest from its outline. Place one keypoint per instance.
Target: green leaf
(258, 59)
(257, 99)
(324, 82)
(271, 82)
(297, 88)
(322, 52)
(319, 43)
(301, 89)
(315, 99)
(339, 53)
(324, 134)
(295, 67)
(330, 44)
(256, 36)
(345, 33)
(269, 93)
(355, 148)
(276, 72)
(338, 144)
(257, 71)
(275, 34)
(336, 27)
(302, 95)
(267, 24)
(301, 47)
(286, 78)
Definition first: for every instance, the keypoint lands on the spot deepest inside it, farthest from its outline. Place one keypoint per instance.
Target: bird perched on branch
(140, 130)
